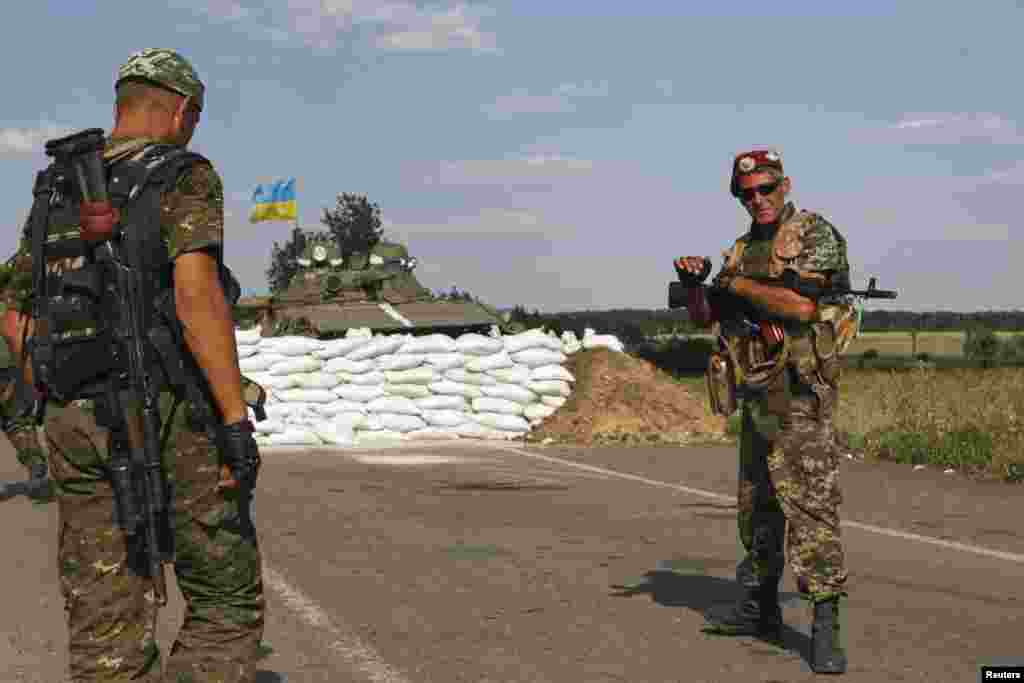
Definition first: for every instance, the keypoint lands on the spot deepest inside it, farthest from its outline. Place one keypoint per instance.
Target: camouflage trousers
(109, 601)
(789, 472)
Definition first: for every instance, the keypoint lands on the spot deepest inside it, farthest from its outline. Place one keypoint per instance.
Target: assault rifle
(790, 280)
(137, 476)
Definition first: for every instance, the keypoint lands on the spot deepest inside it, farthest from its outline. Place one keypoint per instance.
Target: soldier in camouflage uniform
(789, 463)
(109, 601)
(18, 423)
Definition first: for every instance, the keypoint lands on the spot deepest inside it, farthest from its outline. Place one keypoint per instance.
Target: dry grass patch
(966, 419)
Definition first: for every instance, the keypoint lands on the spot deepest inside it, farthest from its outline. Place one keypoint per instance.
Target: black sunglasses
(764, 190)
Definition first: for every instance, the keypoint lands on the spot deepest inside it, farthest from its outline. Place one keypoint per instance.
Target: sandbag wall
(365, 387)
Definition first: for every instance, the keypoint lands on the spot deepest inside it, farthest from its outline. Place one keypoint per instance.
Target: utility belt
(752, 356)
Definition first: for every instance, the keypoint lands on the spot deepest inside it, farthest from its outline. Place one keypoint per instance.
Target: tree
(354, 222)
(283, 264)
(981, 343)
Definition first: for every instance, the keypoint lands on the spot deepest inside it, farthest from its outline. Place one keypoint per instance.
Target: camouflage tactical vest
(811, 348)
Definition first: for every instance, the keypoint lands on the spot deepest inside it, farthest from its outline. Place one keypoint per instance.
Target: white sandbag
(334, 434)
(351, 420)
(555, 401)
(478, 345)
(373, 378)
(269, 426)
(277, 411)
(296, 346)
(507, 423)
(457, 388)
(247, 351)
(361, 394)
(445, 418)
(296, 408)
(466, 377)
(400, 361)
(279, 383)
(296, 365)
(602, 341)
(510, 392)
(497, 405)
(538, 357)
(317, 380)
(445, 361)
(401, 422)
(307, 395)
(370, 423)
(413, 376)
(491, 362)
(365, 437)
(393, 404)
(430, 434)
(543, 372)
(571, 348)
(261, 362)
(489, 434)
(407, 390)
(442, 402)
(378, 346)
(531, 339)
(517, 374)
(470, 430)
(247, 336)
(431, 343)
(339, 406)
(358, 332)
(303, 420)
(538, 411)
(550, 387)
(342, 364)
(295, 436)
(336, 348)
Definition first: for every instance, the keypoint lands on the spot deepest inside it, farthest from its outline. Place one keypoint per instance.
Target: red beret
(749, 162)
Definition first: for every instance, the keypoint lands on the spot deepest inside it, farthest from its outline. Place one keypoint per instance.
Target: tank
(333, 292)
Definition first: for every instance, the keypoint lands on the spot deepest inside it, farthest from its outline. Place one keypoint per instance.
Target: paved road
(498, 563)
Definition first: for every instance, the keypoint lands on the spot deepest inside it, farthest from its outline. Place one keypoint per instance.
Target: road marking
(894, 533)
(346, 644)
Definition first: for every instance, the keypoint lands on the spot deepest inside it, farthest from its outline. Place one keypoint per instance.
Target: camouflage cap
(165, 68)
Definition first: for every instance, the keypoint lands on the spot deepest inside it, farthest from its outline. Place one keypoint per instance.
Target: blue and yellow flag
(274, 202)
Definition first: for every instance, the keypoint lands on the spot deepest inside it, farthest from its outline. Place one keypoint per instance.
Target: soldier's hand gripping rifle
(136, 467)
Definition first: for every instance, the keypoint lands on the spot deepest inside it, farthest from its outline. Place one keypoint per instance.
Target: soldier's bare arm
(209, 329)
(822, 255)
(193, 225)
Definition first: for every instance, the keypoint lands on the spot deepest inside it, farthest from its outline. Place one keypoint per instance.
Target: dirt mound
(620, 399)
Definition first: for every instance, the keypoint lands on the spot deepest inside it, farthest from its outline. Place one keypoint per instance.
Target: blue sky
(560, 155)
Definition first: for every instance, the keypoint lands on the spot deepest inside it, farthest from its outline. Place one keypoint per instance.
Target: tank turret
(333, 291)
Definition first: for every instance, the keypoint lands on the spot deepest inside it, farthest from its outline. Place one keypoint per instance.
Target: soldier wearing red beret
(788, 375)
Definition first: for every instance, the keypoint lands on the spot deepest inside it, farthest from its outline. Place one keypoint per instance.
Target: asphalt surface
(495, 563)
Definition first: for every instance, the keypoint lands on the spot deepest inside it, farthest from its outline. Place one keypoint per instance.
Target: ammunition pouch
(721, 383)
(758, 364)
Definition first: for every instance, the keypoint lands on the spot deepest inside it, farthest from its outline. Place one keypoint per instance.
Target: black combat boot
(756, 614)
(827, 656)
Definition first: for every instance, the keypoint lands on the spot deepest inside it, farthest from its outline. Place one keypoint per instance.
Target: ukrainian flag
(274, 202)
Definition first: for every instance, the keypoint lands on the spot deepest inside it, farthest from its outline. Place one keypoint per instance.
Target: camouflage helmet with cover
(167, 69)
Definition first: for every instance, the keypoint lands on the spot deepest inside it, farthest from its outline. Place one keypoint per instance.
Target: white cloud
(532, 170)
(949, 129)
(24, 141)
(556, 102)
(522, 102)
(396, 25)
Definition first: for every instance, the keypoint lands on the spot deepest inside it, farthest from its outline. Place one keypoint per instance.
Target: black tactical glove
(240, 453)
(690, 279)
